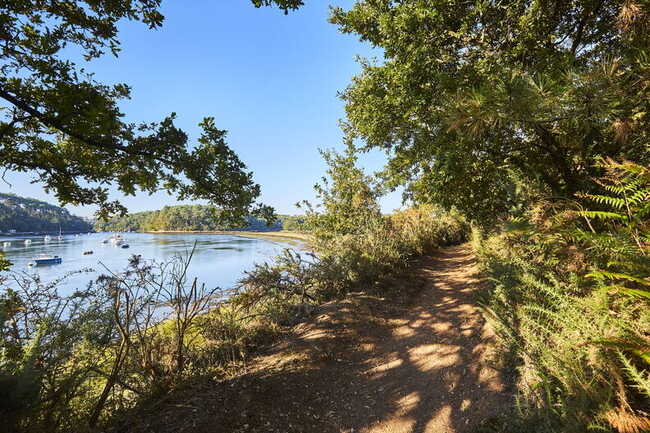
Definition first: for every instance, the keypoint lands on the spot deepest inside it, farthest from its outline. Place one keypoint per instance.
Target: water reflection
(219, 260)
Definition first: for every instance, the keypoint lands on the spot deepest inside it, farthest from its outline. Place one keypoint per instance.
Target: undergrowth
(364, 261)
(570, 302)
(85, 361)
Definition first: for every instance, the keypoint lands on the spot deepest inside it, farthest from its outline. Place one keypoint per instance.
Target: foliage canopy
(480, 102)
(27, 215)
(61, 124)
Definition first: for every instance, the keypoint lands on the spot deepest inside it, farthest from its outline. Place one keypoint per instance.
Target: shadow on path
(366, 365)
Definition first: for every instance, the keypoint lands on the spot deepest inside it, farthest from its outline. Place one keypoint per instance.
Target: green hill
(31, 215)
(178, 218)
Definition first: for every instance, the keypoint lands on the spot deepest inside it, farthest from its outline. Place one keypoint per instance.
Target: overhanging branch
(56, 124)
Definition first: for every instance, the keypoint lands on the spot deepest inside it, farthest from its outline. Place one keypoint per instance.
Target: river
(219, 259)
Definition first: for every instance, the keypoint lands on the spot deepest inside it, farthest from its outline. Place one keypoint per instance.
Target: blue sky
(270, 79)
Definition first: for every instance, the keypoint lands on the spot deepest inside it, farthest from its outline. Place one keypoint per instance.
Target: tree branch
(56, 124)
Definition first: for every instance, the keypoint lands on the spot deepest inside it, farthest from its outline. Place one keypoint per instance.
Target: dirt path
(366, 365)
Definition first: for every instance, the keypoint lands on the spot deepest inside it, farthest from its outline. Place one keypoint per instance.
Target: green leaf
(600, 275)
(639, 350)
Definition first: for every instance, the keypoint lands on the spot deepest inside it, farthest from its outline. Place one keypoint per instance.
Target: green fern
(604, 275)
(603, 215)
(582, 341)
(641, 379)
(638, 349)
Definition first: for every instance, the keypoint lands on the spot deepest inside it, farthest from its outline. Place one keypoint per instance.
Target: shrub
(67, 363)
(425, 228)
(230, 334)
(380, 250)
(43, 370)
(570, 304)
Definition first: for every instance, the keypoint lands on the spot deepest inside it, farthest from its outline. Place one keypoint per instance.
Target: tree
(195, 217)
(478, 101)
(348, 198)
(285, 5)
(61, 124)
(28, 214)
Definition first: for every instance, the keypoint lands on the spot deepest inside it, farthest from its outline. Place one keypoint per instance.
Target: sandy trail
(365, 365)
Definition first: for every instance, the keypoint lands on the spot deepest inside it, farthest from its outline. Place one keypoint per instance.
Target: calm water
(219, 260)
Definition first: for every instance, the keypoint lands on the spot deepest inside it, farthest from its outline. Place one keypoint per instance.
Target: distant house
(12, 231)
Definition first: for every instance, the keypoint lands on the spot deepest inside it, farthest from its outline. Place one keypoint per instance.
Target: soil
(363, 365)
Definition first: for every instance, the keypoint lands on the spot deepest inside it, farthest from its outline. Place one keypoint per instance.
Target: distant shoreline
(252, 234)
(277, 234)
(54, 232)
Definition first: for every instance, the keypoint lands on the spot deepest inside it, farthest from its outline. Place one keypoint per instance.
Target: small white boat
(45, 259)
(6, 244)
(28, 241)
(117, 240)
(60, 237)
(47, 238)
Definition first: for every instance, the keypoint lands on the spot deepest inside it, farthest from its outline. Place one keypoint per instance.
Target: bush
(570, 303)
(230, 334)
(378, 251)
(69, 363)
(44, 372)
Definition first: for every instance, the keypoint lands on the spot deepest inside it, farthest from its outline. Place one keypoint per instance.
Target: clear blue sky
(270, 79)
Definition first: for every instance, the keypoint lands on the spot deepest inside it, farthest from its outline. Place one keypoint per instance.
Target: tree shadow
(363, 364)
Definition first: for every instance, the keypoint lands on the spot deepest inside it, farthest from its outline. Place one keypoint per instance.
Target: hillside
(31, 215)
(200, 218)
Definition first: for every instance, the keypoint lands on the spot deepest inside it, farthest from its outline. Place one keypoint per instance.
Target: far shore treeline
(190, 218)
(30, 215)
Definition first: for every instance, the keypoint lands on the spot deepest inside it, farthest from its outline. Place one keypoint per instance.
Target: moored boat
(28, 241)
(45, 259)
(47, 238)
(6, 244)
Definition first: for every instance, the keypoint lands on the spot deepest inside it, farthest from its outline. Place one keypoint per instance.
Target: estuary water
(219, 260)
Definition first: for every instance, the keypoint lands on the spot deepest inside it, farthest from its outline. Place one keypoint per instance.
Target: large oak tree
(480, 103)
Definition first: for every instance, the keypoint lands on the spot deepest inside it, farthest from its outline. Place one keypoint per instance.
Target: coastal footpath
(419, 363)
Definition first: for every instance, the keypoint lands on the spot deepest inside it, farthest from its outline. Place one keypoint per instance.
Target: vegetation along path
(365, 365)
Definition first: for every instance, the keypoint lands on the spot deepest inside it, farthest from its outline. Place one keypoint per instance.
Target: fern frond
(641, 380)
(615, 202)
(603, 215)
(553, 318)
(636, 293)
(606, 275)
(518, 225)
(639, 196)
(643, 352)
(627, 185)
